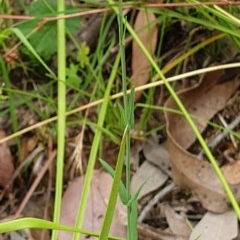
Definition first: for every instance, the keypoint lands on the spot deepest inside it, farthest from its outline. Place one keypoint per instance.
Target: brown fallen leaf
(6, 164)
(177, 223)
(231, 172)
(157, 154)
(147, 32)
(216, 226)
(148, 232)
(203, 101)
(96, 206)
(153, 177)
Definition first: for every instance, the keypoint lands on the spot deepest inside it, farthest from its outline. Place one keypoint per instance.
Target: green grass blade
(133, 218)
(36, 223)
(27, 44)
(136, 194)
(122, 189)
(114, 191)
(94, 149)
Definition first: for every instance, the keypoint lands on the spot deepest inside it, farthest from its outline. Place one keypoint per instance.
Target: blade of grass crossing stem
(114, 191)
(61, 112)
(27, 44)
(184, 111)
(136, 194)
(94, 149)
(36, 223)
(122, 189)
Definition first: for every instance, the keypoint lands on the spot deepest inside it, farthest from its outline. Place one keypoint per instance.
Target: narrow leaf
(122, 189)
(114, 191)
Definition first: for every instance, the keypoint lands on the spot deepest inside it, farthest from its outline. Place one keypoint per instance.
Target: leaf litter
(203, 101)
(6, 164)
(213, 226)
(147, 31)
(188, 172)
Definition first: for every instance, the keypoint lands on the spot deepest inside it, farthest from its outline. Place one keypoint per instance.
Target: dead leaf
(158, 155)
(136, 148)
(203, 101)
(231, 172)
(96, 206)
(6, 163)
(148, 232)
(147, 32)
(27, 146)
(216, 226)
(154, 177)
(177, 223)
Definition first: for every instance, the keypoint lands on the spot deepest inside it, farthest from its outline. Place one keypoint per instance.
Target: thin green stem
(61, 113)
(94, 150)
(126, 112)
(114, 191)
(36, 223)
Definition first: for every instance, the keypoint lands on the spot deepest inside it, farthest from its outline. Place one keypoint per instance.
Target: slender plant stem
(61, 113)
(108, 218)
(127, 111)
(37, 223)
(94, 150)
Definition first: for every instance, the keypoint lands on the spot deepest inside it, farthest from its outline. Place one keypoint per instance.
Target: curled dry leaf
(6, 163)
(203, 102)
(147, 32)
(96, 206)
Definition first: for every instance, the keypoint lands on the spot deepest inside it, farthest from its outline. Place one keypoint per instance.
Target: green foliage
(114, 190)
(82, 62)
(4, 34)
(43, 36)
(23, 223)
(122, 189)
(82, 56)
(2, 96)
(72, 75)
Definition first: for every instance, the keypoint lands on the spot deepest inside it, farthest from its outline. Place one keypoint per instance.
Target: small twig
(226, 125)
(156, 83)
(155, 200)
(214, 142)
